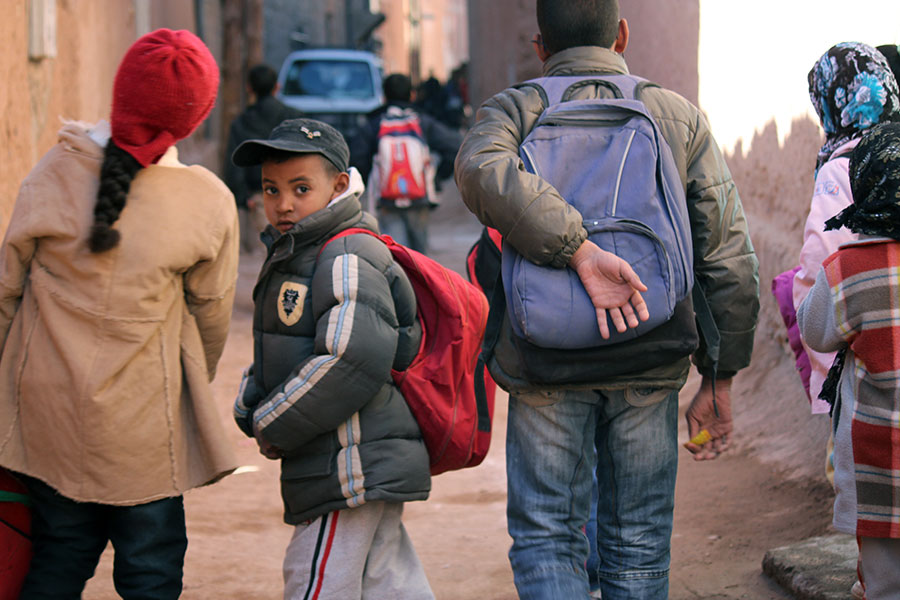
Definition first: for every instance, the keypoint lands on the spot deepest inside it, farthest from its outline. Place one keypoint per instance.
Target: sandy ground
(728, 511)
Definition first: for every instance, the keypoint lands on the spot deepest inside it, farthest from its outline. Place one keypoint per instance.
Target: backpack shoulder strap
(347, 232)
(562, 88)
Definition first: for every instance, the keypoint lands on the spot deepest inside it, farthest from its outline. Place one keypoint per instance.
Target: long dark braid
(116, 173)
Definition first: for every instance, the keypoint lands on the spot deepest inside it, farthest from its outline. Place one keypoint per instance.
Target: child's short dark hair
(578, 23)
(262, 80)
(397, 88)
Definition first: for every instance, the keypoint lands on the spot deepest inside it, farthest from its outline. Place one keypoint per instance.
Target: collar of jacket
(584, 59)
(312, 229)
(378, 112)
(266, 103)
(91, 138)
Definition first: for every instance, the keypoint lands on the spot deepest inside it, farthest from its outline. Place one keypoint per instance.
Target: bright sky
(754, 56)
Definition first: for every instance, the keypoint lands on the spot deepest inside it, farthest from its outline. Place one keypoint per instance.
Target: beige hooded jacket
(106, 358)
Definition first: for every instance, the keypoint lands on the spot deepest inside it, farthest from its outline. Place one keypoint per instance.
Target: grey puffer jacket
(533, 217)
(328, 326)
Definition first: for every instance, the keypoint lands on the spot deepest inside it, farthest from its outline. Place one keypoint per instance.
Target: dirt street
(728, 511)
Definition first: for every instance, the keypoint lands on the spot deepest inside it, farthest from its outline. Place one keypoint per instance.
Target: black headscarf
(892, 54)
(875, 183)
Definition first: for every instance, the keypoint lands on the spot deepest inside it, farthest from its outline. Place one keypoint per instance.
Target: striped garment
(324, 542)
(864, 283)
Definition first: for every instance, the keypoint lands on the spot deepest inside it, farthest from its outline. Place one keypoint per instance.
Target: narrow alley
(728, 511)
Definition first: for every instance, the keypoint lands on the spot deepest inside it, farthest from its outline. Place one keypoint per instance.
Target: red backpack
(439, 385)
(402, 164)
(15, 535)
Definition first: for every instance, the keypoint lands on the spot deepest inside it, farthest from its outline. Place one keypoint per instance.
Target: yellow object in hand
(701, 438)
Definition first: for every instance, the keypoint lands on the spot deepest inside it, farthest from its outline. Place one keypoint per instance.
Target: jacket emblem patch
(290, 302)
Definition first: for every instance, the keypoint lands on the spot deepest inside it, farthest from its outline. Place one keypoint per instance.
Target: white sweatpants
(356, 553)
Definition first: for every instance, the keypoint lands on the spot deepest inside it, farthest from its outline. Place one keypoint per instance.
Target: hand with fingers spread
(709, 420)
(612, 285)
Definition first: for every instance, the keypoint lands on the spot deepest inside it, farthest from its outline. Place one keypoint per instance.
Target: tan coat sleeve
(26, 225)
(209, 289)
(528, 211)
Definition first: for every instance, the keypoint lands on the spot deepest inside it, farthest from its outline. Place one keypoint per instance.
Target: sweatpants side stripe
(328, 544)
(312, 571)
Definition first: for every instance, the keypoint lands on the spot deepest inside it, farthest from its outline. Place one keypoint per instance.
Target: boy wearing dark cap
(330, 322)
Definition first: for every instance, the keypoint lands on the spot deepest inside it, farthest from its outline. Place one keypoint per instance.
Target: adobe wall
(77, 84)
(91, 38)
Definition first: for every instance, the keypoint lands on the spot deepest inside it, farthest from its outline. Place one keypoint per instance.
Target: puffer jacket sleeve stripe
(240, 407)
(245, 402)
(356, 339)
(345, 283)
(349, 463)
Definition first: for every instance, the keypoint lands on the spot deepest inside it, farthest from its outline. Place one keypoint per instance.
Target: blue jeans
(149, 542)
(555, 442)
(590, 530)
(408, 226)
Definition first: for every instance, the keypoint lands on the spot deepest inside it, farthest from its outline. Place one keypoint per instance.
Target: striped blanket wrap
(864, 280)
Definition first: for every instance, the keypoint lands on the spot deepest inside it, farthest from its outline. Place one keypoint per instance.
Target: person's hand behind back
(612, 285)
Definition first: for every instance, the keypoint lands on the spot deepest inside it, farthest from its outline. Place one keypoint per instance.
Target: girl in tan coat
(117, 278)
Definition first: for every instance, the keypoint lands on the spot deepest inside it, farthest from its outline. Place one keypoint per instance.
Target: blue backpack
(608, 159)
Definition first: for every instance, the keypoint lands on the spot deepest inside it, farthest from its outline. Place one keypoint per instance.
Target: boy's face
(297, 187)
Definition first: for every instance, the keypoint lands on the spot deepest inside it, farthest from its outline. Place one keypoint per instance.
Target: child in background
(330, 322)
(852, 88)
(852, 309)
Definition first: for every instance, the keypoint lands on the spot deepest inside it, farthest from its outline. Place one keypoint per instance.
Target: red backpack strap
(495, 237)
(351, 231)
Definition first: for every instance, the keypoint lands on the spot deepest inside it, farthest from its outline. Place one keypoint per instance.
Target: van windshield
(330, 79)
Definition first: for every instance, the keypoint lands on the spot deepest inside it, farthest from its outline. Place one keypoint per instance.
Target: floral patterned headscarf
(875, 183)
(851, 88)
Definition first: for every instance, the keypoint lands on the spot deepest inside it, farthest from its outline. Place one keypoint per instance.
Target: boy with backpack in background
(333, 316)
(588, 407)
(393, 154)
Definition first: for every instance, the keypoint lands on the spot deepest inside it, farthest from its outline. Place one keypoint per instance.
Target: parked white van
(333, 85)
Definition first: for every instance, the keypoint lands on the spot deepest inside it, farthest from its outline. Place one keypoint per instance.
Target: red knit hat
(165, 86)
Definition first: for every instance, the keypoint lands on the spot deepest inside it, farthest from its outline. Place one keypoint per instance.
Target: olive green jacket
(542, 227)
